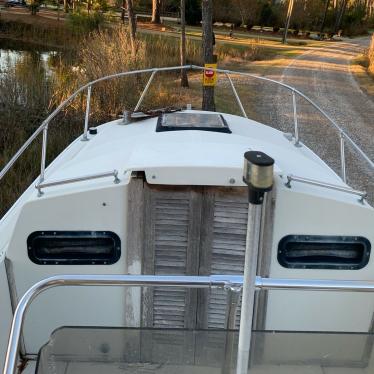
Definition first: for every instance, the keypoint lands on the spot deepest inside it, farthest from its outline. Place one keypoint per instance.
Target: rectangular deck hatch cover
(74, 247)
(192, 121)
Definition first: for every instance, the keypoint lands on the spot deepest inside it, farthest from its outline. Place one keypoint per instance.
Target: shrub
(33, 6)
(371, 57)
(353, 21)
(276, 16)
(355, 29)
(253, 51)
(249, 25)
(193, 12)
(266, 14)
(84, 23)
(101, 5)
(370, 21)
(56, 36)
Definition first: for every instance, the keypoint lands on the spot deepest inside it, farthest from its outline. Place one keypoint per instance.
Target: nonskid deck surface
(121, 350)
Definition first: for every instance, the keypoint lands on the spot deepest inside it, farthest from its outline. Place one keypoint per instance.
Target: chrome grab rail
(330, 186)
(113, 173)
(230, 282)
(313, 285)
(44, 126)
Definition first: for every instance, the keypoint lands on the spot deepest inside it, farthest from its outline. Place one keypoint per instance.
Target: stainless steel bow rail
(43, 128)
(230, 282)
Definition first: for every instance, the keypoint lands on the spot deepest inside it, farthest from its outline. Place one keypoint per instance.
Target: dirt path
(324, 75)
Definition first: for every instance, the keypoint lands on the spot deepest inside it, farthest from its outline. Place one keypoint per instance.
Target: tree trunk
(239, 6)
(184, 79)
(66, 6)
(132, 26)
(340, 15)
(58, 10)
(288, 19)
(324, 16)
(123, 11)
(208, 58)
(156, 11)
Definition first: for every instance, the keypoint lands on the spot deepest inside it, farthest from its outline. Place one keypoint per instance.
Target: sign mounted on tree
(209, 75)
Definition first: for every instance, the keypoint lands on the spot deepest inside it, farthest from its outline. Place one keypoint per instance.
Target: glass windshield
(74, 350)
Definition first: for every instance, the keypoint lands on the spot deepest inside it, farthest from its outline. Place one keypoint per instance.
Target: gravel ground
(323, 74)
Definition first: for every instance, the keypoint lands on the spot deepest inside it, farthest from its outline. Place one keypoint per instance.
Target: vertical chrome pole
(258, 175)
(342, 156)
(248, 295)
(87, 115)
(44, 153)
(296, 125)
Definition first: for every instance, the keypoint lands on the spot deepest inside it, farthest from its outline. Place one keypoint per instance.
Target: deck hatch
(192, 121)
(324, 252)
(74, 247)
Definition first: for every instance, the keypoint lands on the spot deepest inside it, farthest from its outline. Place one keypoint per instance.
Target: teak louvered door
(222, 248)
(171, 246)
(190, 231)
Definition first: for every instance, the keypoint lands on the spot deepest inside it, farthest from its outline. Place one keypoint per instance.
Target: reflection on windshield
(122, 350)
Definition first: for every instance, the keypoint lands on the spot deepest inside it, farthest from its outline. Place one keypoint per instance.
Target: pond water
(15, 53)
(9, 57)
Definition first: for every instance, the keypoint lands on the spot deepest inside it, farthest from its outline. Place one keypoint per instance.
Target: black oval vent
(324, 252)
(74, 247)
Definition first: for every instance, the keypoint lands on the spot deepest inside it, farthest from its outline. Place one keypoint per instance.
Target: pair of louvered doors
(187, 230)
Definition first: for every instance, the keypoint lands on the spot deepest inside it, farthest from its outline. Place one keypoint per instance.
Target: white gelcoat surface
(62, 306)
(177, 158)
(5, 313)
(308, 214)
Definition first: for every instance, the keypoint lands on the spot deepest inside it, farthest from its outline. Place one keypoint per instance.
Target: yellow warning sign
(210, 76)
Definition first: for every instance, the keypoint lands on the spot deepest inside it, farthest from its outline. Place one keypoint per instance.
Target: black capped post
(258, 175)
